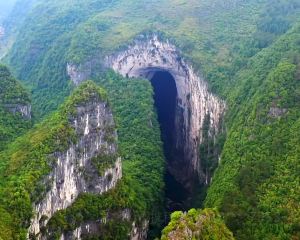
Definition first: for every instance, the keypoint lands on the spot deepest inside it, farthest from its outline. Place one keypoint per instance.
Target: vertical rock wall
(93, 229)
(23, 109)
(74, 171)
(194, 101)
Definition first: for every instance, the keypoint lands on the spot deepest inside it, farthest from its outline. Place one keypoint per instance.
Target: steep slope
(257, 184)
(136, 204)
(15, 108)
(196, 224)
(11, 21)
(72, 152)
(57, 33)
(246, 51)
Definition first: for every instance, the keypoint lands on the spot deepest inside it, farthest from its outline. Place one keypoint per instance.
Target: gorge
(183, 103)
(182, 100)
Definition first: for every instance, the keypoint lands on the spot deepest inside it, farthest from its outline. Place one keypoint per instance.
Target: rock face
(74, 171)
(196, 224)
(194, 101)
(79, 73)
(93, 228)
(276, 112)
(23, 109)
(139, 232)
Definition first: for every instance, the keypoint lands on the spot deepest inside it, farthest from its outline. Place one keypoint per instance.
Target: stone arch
(194, 102)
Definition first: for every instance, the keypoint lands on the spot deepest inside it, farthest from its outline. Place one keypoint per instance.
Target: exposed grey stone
(74, 172)
(23, 109)
(79, 73)
(276, 112)
(194, 103)
(93, 228)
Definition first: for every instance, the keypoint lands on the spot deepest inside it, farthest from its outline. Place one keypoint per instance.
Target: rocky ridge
(74, 171)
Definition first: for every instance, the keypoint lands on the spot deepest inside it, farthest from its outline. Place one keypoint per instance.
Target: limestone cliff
(23, 109)
(194, 101)
(79, 73)
(75, 170)
(15, 108)
(144, 58)
(94, 229)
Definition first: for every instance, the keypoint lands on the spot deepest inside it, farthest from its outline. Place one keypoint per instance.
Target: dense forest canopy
(248, 53)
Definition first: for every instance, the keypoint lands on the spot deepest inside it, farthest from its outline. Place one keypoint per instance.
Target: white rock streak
(68, 178)
(195, 102)
(86, 130)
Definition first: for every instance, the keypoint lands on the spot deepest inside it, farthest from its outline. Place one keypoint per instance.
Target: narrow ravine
(165, 98)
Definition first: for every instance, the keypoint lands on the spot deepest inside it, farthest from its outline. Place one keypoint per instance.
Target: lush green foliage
(249, 53)
(257, 185)
(210, 35)
(11, 94)
(198, 225)
(141, 188)
(28, 159)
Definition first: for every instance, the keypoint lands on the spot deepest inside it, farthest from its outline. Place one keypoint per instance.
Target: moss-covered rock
(196, 225)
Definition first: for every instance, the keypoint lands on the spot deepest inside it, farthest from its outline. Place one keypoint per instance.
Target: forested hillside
(141, 189)
(248, 54)
(217, 37)
(13, 98)
(196, 224)
(256, 186)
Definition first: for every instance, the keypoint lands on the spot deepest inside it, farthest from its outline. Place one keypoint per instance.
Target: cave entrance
(165, 100)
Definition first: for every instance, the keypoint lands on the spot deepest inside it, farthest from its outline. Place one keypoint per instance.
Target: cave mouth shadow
(165, 101)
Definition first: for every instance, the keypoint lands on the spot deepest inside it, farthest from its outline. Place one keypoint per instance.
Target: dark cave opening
(165, 97)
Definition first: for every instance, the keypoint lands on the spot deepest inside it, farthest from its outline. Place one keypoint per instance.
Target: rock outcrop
(145, 57)
(23, 109)
(196, 224)
(276, 112)
(74, 171)
(93, 228)
(79, 73)
(194, 101)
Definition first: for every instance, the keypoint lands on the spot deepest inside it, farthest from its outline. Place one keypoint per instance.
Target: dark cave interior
(165, 97)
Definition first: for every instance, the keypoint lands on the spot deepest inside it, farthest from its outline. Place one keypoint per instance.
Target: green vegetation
(248, 51)
(257, 183)
(141, 188)
(198, 225)
(210, 34)
(104, 161)
(12, 94)
(27, 160)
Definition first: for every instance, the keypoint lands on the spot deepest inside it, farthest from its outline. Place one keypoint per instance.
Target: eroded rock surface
(79, 73)
(276, 112)
(23, 109)
(194, 101)
(93, 228)
(74, 171)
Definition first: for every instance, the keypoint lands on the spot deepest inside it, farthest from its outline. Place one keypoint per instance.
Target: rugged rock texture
(23, 109)
(194, 103)
(196, 225)
(79, 73)
(276, 112)
(93, 229)
(139, 232)
(74, 171)
(144, 58)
